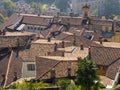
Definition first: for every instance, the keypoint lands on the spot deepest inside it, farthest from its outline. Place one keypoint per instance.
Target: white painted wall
(25, 72)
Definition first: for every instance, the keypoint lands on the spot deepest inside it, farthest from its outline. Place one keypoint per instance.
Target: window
(38, 28)
(87, 36)
(31, 67)
(28, 27)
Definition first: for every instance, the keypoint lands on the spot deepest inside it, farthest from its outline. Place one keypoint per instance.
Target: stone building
(48, 47)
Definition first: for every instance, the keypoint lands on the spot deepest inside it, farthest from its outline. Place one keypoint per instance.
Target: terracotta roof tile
(104, 55)
(113, 69)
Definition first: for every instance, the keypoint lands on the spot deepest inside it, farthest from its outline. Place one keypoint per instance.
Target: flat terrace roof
(110, 44)
(45, 41)
(59, 58)
(18, 34)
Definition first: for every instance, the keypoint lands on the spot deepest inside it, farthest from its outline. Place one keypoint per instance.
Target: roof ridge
(8, 67)
(114, 61)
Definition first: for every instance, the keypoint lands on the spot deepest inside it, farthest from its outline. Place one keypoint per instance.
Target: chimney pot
(89, 54)
(49, 39)
(81, 47)
(100, 40)
(63, 54)
(55, 47)
(63, 44)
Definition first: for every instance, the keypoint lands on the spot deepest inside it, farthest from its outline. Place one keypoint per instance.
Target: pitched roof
(14, 66)
(35, 20)
(113, 70)
(3, 66)
(106, 81)
(45, 65)
(104, 55)
(10, 21)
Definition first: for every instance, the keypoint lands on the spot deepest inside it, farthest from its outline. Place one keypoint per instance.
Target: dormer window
(87, 36)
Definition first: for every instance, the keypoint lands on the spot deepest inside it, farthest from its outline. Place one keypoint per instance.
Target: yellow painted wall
(115, 38)
(101, 71)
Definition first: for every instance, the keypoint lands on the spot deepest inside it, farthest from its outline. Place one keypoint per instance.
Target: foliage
(41, 1)
(112, 7)
(63, 5)
(64, 83)
(28, 85)
(95, 12)
(1, 88)
(37, 6)
(116, 87)
(2, 18)
(9, 7)
(86, 75)
(73, 87)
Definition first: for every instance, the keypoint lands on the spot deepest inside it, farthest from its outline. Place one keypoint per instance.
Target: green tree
(2, 18)
(73, 87)
(9, 6)
(63, 5)
(29, 85)
(86, 75)
(64, 83)
(37, 6)
(112, 7)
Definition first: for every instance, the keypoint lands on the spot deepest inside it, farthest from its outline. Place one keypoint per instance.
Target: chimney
(4, 32)
(74, 39)
(74, 42)
(89, 53)
(3, 80)
(55, 47)
(81, 47)
(48, 53)
(58, 14)
(100, 40)
(53, 74)
(38, 14)
(15, 76)
(49, 39)
(69, 72)
(63, 44)
(38, 37)
(63, 53)
(74, 36)
(0, 32)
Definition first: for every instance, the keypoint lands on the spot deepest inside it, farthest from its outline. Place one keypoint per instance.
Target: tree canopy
(63, 5)
(86, 75)
(9, 7)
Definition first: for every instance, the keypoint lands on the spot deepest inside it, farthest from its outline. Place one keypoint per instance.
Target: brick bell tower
(86, 15)
(86, 11)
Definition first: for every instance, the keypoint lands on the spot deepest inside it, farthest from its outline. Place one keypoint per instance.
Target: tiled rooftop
(106, 81)
(78, 53)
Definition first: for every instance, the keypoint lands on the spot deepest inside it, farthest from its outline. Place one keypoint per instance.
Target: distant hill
(41, 1)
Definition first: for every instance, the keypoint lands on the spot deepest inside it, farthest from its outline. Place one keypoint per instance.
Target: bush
(64, 83)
